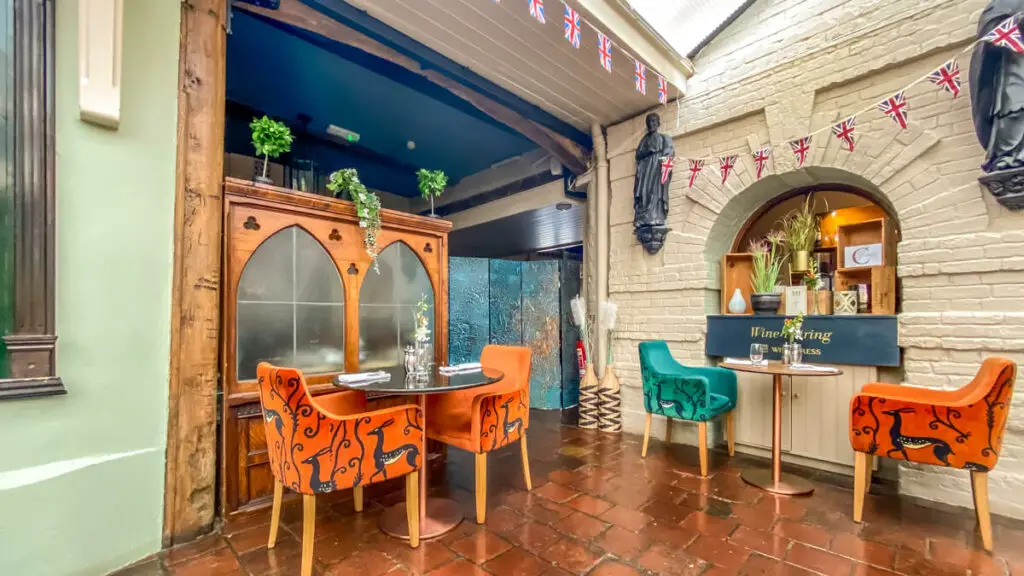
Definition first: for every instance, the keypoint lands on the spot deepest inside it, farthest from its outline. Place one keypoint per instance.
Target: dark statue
(997, 100)
(650, 193)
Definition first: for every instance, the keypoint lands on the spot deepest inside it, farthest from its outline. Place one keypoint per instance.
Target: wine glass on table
(756, 354)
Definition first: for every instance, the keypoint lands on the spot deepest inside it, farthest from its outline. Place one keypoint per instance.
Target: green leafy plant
(431, 184)
(793, 328)
(345, 182)
(767, 263)
(801, 227)
(421, 321)
(812, 278)
(270, 138)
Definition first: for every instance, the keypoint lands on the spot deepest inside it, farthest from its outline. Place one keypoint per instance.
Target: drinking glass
(756, 353)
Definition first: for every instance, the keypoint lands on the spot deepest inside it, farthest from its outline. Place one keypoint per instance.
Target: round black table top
(433, 383)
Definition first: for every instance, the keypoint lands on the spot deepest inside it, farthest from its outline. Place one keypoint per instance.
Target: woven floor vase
(589, 400)
(610, 409)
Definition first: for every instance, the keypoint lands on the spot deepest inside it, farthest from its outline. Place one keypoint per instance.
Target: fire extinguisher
(581, 358)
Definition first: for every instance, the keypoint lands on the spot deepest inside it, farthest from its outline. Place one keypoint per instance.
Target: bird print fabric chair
(320, 445)
(695, 394)
(960, 429)
(484, 419)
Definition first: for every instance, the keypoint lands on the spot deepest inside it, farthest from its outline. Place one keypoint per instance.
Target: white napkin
(812, 368)
(461, 368)
(362, 378)
(741, 361)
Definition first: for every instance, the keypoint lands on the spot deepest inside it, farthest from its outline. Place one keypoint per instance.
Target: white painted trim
(100, 31)
(35, 474)
(532, 199)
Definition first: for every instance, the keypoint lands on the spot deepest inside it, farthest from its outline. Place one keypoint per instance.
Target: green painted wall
(115, 194)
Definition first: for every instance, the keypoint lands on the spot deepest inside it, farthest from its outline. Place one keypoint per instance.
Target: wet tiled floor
(597, 508)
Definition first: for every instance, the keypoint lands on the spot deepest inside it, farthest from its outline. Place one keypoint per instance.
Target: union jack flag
(895, 107)
(1006, 35)
(947, 76)
(604, 48)
(695, 167)
(726, 164)
(800, 149)
(844, 131)
(667, 163)
(640, 77)
(761, 159)
(572, 26)
(662, 90)
(537, 10)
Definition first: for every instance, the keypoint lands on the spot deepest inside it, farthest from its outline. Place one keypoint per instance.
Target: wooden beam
(195, 301)
(297, 14)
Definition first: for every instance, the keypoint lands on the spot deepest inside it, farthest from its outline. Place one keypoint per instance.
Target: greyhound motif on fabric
(382, 458)
(316, 484)
(900, 443)
(510, 426)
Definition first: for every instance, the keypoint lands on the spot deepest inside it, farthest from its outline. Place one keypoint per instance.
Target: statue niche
(997, 102)
(654, 158)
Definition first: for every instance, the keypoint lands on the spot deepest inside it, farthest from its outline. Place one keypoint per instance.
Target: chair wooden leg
(308, 525)
(860, 480)
(647, 436)
(526, 463)
(702, 443)
(730, 433)
(869, 472)
(979, 484)
(481, 488)
(412, 506)
(275, 513)
(357, 498)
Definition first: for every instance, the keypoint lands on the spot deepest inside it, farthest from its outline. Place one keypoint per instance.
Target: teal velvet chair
(695, 394)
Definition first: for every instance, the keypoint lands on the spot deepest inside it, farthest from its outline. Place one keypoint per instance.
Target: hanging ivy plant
(345, 184)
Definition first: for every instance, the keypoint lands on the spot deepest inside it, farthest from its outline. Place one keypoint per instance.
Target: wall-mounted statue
(997, 100)
(654, 157)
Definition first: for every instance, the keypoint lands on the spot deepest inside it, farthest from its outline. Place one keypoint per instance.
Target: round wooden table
(437, 515)
(774, 480)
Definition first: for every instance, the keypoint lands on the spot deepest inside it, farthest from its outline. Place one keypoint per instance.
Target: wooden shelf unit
(881, 278)
(736, 270)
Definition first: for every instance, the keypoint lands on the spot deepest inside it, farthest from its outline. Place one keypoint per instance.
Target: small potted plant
(812, 280)
(431, 184)
(801, 230)
(793, 332)
(345, 184)
(271, 139)
(767, 265)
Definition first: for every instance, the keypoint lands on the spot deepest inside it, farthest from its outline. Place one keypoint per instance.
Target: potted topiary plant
(271, 139)
(801, 230)
(432, 184)
(767, 264)
(345, 183)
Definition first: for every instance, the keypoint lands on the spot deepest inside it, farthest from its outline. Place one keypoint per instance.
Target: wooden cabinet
(301, 290)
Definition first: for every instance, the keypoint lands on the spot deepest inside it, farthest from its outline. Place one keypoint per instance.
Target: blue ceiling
(286, 72)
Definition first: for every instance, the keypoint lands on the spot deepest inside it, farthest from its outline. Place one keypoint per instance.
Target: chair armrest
(913, 394)
(500, 418)
(721, 381)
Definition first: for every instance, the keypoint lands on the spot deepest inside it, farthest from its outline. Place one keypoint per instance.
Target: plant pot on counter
(801, 260)
(765, 303)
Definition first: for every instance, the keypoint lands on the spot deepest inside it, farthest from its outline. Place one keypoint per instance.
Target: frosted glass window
(291, 307)
(387, 306)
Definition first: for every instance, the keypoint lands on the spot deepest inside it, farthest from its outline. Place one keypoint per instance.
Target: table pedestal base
(442, 516)
(788, 485)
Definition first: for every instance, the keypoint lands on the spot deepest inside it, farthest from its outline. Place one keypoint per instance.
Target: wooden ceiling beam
(295, 13)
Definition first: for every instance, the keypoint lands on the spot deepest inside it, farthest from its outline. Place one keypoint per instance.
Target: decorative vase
(844, 302)
(589, 400)
(765, 303)
(737, 305)
(610, 394)
(792, 353)
(800, 261)
(423, 350)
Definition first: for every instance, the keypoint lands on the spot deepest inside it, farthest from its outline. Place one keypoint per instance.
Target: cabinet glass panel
(291, 307)
(387, 306)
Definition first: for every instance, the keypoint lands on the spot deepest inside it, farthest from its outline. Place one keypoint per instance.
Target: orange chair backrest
(506, 415)
(994, 389)
(312, 452)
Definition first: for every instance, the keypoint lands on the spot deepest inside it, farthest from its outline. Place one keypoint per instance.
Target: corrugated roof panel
(686, 24)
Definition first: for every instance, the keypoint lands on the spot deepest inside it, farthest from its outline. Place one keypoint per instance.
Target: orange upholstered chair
(954, 428)
(328, 443)
(483, 419)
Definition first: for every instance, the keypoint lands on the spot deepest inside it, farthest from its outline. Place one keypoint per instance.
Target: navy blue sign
(863, 340)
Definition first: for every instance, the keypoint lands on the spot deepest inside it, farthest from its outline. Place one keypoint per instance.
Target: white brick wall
(786, 67)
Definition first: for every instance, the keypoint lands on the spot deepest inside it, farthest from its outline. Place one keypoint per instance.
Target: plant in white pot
(432, 184)
(271, 139)
(765, 275)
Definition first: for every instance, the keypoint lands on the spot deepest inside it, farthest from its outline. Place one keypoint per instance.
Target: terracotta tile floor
(597, 508)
